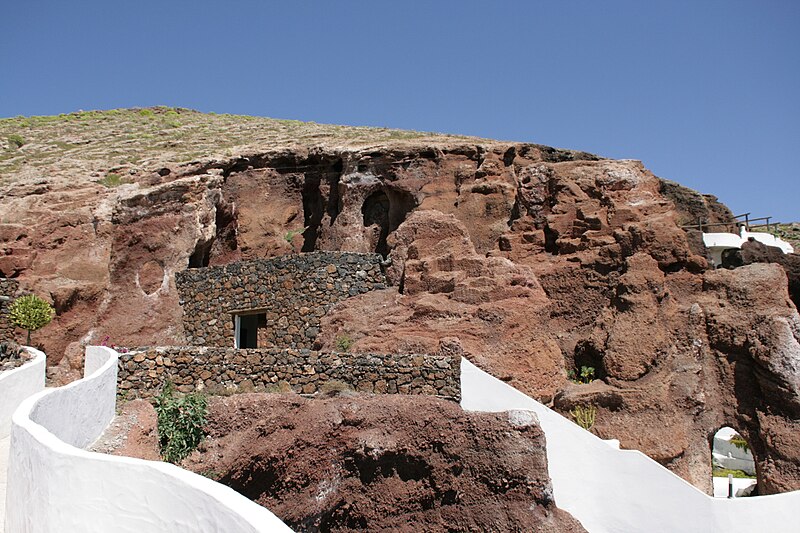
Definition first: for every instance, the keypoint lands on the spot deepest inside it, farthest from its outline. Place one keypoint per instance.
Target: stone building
(271, 302)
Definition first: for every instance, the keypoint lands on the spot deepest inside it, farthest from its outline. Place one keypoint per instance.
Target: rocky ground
(12, 356)
(532, 262)
(368, 463)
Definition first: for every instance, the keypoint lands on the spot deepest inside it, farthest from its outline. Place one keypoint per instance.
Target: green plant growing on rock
(181, 419)
(289, 235)
(738, 441)
(30, 313)
(586, 375)
(112, 180)
(584, 415)
(344, 342)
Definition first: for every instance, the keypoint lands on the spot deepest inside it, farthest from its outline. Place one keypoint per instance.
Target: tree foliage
(180, 422)
(31, 313)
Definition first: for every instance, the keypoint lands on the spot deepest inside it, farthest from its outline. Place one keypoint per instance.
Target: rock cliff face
(382, 463)
(530, 261)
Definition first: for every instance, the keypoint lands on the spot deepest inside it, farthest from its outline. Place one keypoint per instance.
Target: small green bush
(30, 313)
(344, 342)
(112, 180)
(146, 113)
(586, 375)
(584, 416)
(738, 441)
(180, 422)
(289, 235)
(16, 140)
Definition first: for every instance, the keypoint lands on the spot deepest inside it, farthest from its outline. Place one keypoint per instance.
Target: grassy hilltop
(110, 141)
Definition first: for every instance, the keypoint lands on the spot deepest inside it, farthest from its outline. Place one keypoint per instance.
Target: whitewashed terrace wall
(18, 384)
(53, 485)
(624, 491)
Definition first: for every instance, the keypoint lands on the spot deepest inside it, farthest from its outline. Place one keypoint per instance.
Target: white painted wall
(719, 242)
(55, 486)
(768, 239)
(18, 384)
(610, 490)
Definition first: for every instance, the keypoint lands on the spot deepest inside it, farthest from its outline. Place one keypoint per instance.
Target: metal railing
(735, 227)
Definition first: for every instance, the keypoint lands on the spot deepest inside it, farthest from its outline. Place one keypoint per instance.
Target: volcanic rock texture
(382, 463)
(528, 260)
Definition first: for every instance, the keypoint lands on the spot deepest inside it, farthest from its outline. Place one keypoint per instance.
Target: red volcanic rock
(530, 261)
(381, 463)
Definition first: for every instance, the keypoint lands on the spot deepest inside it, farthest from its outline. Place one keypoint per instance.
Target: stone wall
(142, 373)
(293, 291)
(8, 291)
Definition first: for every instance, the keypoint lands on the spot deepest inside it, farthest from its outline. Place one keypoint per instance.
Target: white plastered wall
(53, 485)
(624, 491)
(17, 384)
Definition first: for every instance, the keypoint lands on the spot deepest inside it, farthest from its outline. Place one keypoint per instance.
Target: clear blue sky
(704, 92)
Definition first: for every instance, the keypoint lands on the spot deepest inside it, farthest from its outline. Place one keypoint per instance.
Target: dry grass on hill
(105, 145)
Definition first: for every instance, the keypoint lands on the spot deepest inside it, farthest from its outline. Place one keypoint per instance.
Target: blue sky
(706, 93)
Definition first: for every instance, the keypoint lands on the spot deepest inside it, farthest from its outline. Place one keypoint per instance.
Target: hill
(532, 262)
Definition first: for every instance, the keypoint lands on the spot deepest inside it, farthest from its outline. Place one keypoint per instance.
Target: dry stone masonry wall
(8, 291)
(142, 373)
(292, 292)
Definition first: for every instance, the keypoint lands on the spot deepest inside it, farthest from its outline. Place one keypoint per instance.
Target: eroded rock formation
(529, 261)
(382, 463)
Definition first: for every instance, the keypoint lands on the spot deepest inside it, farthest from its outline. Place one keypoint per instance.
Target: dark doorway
(246, 328)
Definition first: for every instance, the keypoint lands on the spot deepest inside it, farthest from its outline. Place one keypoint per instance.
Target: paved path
(4, 443)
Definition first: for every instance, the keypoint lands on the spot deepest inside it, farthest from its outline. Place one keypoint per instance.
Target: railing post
(730, 485)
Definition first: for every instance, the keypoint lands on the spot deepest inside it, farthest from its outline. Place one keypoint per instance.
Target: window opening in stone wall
(731, 457)
(247, 326)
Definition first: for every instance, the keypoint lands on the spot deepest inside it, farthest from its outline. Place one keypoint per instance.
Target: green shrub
(146, 113)
(738, 441)
(31, 313)
(112, 180)
(584, 415)
(344, 342)
(180, 422)
(16, 140)
(289, 235)
(586, 375)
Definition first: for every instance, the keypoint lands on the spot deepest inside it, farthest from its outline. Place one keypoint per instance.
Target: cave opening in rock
(387, 208)
(225, 241)
(376, 211)
(550, 240)
(313, 211)
(587, 363)
(201, 255)
(732, 465)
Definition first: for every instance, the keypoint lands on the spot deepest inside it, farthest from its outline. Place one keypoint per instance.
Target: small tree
(30, 313)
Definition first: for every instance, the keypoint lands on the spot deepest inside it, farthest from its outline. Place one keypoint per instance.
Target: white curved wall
(55, 486)
(623, 491)
(768, 239)
(18, 384)
(719, 242)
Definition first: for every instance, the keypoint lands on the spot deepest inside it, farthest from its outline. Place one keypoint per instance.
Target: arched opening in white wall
(732, 465)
